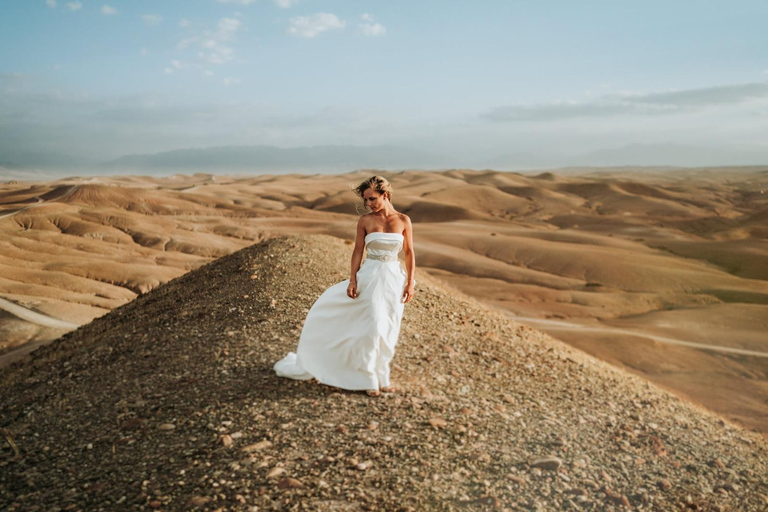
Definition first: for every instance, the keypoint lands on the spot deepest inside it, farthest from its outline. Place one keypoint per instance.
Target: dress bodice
(383, 246)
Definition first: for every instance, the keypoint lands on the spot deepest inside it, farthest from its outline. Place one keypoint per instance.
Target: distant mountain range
(337, 159)
(271, 158)
(637, 155)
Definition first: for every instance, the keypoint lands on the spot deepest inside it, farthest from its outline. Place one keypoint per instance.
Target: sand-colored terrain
(171, 403)
(658, 271)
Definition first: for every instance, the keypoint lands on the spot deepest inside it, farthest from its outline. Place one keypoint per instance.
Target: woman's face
(373, 200)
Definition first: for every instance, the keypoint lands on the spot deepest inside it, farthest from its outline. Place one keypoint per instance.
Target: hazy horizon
(516, 84)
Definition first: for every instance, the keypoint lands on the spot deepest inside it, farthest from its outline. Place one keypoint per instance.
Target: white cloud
(208, 72)
(228, 27)
(152, 19)
(144, 51)
(177, 64)
(285, 4)
(239, 2)
(230, 81)
(74, 6)
(51, 3)
(369, 28)
(310, 26)
(168, 71)
(372, 29)
(214, 47)
(108, 10)
(184, 22)
(686, 101)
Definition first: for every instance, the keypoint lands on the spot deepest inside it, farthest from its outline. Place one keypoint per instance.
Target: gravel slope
(170, 403)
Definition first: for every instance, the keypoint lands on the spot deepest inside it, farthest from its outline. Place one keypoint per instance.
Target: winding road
(556, 325)
(34, 316)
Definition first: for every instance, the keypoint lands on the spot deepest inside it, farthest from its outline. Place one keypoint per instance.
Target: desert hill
(170, 402)
(660, 271)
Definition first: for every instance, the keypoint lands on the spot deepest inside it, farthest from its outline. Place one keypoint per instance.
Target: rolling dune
(613, 262)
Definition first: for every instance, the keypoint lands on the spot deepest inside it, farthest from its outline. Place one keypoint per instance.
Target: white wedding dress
(348, 343)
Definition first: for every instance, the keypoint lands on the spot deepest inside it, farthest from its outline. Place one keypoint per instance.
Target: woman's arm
(357, 258)
(410, 261)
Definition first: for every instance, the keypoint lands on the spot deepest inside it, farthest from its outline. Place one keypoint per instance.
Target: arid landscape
(661, 271)
(171, 403)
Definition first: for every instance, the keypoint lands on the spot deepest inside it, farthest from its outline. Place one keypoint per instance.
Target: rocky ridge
(170, 402)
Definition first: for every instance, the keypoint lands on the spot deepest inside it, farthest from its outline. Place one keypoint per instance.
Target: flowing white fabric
(349, 343)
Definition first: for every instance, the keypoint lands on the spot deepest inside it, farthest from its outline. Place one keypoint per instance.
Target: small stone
(226, 440)
(341, 429)
(664, 485)
(516, 479)
(275, 472)
(605, 476)
(198, 501)
(289, 483)
(616, 498)
(364, 465)
(257, 446)
(548, 463)
(155, 504)
(166, 426)
(438, 422)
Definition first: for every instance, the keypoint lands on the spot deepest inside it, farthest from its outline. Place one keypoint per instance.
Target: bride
(350, 333)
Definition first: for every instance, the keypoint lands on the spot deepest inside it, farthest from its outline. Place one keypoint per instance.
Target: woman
(349, 336)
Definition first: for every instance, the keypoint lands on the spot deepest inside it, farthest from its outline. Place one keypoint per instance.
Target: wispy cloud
(239, 2)
(175, 66)
(286, 4)
(152, 19)
(230, 81)
(656, 103)
(74, 6)
(369, 28)
(704, 97)
(108, 10)
(184, 22)
(311, 26)
(51, 3)
(214, 46)
(144, 51)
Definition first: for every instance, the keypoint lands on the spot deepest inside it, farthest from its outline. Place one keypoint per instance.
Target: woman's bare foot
(372, 392)
(388, 389)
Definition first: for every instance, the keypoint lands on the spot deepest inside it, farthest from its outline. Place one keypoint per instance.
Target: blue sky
(473, 79)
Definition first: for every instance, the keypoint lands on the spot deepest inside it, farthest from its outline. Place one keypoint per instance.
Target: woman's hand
(352, 289)
(407, 293)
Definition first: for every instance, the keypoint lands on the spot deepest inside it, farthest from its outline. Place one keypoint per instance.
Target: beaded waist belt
(382, 257)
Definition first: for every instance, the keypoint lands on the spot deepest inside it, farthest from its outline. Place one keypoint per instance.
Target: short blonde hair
(377, 183)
